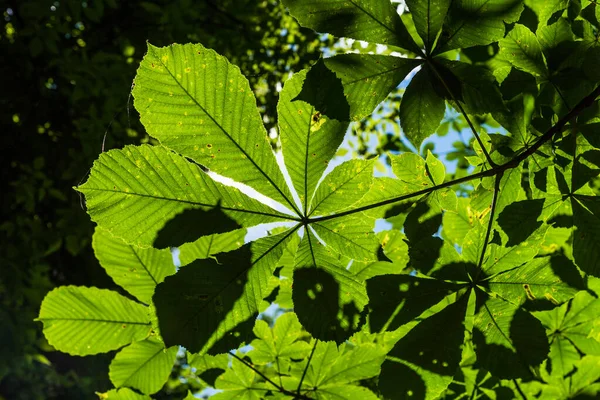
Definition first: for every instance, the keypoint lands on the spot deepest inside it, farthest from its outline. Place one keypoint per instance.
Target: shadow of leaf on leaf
(317, 303)
(192, 224)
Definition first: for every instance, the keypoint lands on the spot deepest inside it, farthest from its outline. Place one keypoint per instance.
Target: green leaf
(144, 365)
(207, 246)
(573, 322)
(522, 49)
(479, 91)
(83, 321)
(133, 193)
(333, 372)
(395, 300)
(369, 78)
(135, 269)
(123, 394)
(423, 363)
(323, 90)
(395, 248)
(208, 298)
(322, 280)
(376, 22)
(547, 8)
(281, 342)
(421, 109)
(586, 242)
(456, 224)
(416, 173)
(308, 139)
(345, 392)
(508, 341)
(195, 102)
(351, 236)
(428, 16)
(477, 22)
(556, 41)
(238, 382)
(343, 187)
(588, 372)
(554, 279)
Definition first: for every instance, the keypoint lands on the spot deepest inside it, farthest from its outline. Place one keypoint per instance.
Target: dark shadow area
(499, 360)
(210, 376)
(423, 248)
(525, 345)
(519, 220)
(435, 344)
(316, 299)
(402, 298)
(449, 79)
(324, 91)
(583, 173)
(456, 271)
(191, 304)
(586, 238)
(516, 83)
(567, 271)
(191, 224)
(241, 333)
(399, 382)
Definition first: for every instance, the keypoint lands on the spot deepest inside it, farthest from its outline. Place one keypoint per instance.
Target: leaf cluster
(487, 295)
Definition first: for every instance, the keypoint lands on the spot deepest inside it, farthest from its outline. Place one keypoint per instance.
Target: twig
(306, 368)
(582, 105)
(279, 388)
(463, 112)
(490, 222)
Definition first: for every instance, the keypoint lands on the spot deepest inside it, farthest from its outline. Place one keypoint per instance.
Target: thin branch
(490, 223)
(279, 388)
(463, 112)
(306, 368)
(558, 127)
(519, 389)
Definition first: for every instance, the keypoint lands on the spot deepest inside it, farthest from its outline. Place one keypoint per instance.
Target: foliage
(66, 74)
(486, 286)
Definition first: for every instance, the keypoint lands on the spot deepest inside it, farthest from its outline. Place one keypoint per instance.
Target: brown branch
(558, 127)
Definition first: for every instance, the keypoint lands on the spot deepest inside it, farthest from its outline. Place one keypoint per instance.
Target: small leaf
(309, 139)
(369, 78)
(134, 269)
(281, 342)
(238, 382)
(421, 109)
(83, 321)
(428, 16)
(522, 49)
(144, 365)
(344, 186)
